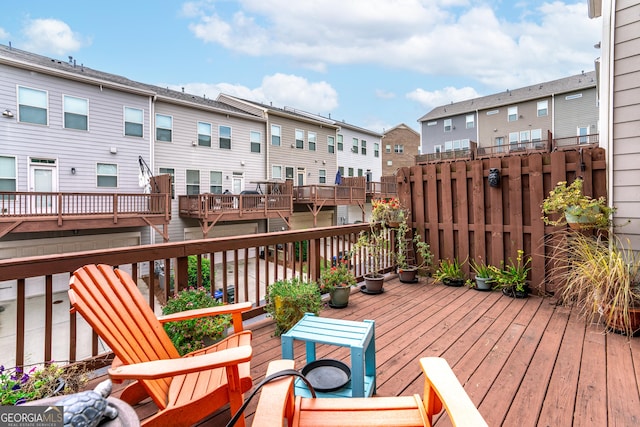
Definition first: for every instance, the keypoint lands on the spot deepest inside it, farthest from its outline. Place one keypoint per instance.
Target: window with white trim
(133, 121)
(513, 138)
(354, 145)
(512, 114)
(107, 175)
(289, 173)
(387, 148)
(204, 134)
(376, 149)
(543, 108)
(525, 136)
(76, 112)
(360, 172)
(363, 147)
(32, 106)
(331, 144)
(398, 148)
(299, 139)
(164, 127)
(437, 149)
(536, 135)
(322, 176)
(350, 172)
(340, 142)
(224, 135)
(470, 121)
(254, 139)
(583, 131)
(448, 125)
(389, 163)
(275, 135)
(499, 142)
(341, 169)
(8, 176)
(193, 182)
(312, 140)
(276, 172)
(215, 182)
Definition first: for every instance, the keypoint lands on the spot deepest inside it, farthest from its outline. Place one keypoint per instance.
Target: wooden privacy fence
(460, 215)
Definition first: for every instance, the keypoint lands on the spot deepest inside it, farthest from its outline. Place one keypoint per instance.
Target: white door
(43, 178)
(238, 183)
(301, 176)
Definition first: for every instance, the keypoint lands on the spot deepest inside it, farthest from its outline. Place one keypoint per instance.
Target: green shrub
(305, 245)
(189, 335)
(288, 300)
(18, 386)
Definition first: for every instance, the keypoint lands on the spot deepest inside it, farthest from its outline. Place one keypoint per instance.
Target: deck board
(523, 362)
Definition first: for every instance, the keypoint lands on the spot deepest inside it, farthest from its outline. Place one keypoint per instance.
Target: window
(288, 173)
(215, 182)
(32, 106)
(171, 172)
(107, 175)
(525, 137)
(340, 142)
(299, 138)
(193, 182)
(512, 114)
(354, 145)
(543, 108)
(574, 96)
(389, 162)
(432, 123)
(387, 148)
(398, 148)
(470, 121)
(583, 131)
(204, 134)
(360, 172)
(513, 138)
(275, 135)
(76, 112)
(448, 146)
(276, 172)
(363, 147)
(254, 138)
(224, 133)
(376, 149)
(164, 124)
(536, 135)
(133, 121)
(312, 141)
(322, 176)
(447, 125)
(500, 144)
(7, 174)
(437, 149)
(331, 144)
(350, 171)
(341, 169)
(492, 112)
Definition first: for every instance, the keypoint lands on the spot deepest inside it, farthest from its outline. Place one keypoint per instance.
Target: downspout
(152, 101)
(606, 91)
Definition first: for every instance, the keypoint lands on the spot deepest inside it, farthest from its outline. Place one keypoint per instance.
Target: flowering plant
(338, 276)
(386, 210)
(188, 335)
(569, 199)
(18, 386)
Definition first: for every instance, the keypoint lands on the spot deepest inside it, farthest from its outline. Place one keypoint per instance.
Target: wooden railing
(38, 204)
(574, 141)
(205, 205)
(542, 146)
(381, 189)
(329, 194)
(245, 263)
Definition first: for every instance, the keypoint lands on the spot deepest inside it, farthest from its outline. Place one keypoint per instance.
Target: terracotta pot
(408, 275)
(340, 297)
(616, 322)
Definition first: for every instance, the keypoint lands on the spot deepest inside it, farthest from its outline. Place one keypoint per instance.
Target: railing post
(314, 259)
(115, 208)
(59, 208)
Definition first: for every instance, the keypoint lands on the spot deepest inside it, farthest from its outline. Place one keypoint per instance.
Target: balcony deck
(523, 362)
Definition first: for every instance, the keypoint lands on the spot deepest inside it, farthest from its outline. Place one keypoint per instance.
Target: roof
(71, 70)
(401, 126)
(510, 97)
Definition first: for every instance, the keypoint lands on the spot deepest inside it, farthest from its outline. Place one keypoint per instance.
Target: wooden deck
(523, 362)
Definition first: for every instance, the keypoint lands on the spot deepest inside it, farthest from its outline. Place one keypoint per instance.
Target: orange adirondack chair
(441, 390)
(185, 389)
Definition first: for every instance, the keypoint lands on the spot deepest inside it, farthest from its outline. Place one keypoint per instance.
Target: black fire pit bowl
(327, 374)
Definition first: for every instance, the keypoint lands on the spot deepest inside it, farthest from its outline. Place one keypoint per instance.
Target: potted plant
(18, 386)
(387, 211)
(449, 272)
(601, 276)
(337, 281)
(289, 299)
(512, 277)
(373, 245)
(406, 272)
(483, 275)
(194, 334)
(574, 208)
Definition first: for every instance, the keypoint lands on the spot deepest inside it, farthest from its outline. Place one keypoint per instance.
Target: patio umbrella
(338, 177)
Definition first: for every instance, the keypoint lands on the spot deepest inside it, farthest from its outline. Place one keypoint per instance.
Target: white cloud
(448, 37)
(279, 89)
(4, 35)
(52, 36)
(431, 99)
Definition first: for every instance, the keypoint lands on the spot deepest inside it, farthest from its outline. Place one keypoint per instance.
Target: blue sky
(372, 63)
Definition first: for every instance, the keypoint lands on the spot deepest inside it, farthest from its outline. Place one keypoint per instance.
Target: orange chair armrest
(170, 367)
(204, 312)
(276, 399)
(442, 388)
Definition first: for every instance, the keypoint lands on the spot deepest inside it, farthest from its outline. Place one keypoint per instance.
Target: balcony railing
(574, 141)
(329, 195)
(462, 154)
(205, 206)
(386, 188)
(515, 148)
(41, 211)
(245, 263)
